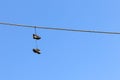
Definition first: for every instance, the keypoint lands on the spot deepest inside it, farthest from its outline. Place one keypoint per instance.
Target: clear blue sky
(65, 55)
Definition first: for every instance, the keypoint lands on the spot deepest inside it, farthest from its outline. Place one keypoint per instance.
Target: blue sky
(65, 55)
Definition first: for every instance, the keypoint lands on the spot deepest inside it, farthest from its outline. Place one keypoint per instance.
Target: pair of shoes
(35, 36)
(36, 51)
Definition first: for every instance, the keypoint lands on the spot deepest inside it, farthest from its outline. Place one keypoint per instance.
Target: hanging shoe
(36, 51)
(35, 36)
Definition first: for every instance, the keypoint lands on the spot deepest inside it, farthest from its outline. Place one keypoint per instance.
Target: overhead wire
(62, 29)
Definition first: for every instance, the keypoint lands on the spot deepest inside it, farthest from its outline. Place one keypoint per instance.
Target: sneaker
(36, 51)
(35, 36)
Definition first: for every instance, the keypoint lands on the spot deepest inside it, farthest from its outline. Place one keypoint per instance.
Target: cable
(36, 40)
(35, 30)
(63, 29)
(36, 44)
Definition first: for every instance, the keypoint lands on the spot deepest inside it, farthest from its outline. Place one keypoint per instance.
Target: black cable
(64, 29)
(35, 30)
(36, 43)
